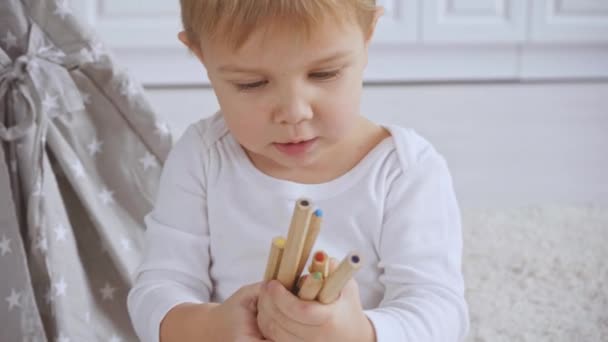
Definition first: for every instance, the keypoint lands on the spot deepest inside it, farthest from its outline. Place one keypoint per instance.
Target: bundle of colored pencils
(288, 258)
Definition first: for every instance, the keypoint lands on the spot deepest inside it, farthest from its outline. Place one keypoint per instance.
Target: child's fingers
(276, 327)
(248, 291)
(249, 339)
(247, 296)
(299, 311)
(351, 289)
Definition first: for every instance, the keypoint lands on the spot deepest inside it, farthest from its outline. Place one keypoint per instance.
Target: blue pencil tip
(319, 213)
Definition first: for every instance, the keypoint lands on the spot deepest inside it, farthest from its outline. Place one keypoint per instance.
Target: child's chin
(298, 162)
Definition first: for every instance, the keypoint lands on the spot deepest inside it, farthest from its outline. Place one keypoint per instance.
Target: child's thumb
(248, 296)
(351, 288)
(251, 290)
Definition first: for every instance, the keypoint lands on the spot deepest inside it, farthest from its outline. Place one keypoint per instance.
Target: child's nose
(293, 109)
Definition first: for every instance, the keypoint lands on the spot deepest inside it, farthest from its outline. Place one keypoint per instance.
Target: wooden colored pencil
(320, 263)
(333, 285)
(274, 258)
(296, 236)
(311, 285)
(300, 281)
(311, 237)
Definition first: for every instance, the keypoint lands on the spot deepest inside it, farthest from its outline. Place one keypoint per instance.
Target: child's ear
(372, 27)
(195, 48)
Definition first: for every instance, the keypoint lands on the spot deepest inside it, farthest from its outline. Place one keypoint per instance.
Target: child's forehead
(282, 35)
(272, 30)
(284, 47)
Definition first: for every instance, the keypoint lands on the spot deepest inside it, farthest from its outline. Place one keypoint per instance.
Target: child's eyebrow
(335, 56)
(238, 69)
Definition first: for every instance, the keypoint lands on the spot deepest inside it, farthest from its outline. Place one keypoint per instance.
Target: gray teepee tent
(80, 158)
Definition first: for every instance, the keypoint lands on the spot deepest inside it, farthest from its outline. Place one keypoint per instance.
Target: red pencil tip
(319, 256)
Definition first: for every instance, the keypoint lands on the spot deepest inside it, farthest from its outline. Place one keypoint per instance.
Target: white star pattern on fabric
(49, 295)
(78, 169)
(162, 128)
(106, 196)
(126, 244)
(49, 51)
(97, 51)
(10, 40)
(60, 232)
(60, 287)
(41, 244)
(128, 88)
(37, 190)
(13, 300)
(63, 9)
(5, 245)
(86, 55)
(115, 339)
(49, 105)
(107, 292)
(94, 147)
(33, 65)
(148, 161)
(62, 338)
(86, 98)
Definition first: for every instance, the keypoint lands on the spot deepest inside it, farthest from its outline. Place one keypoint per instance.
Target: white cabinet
(568, 39)
(416, 40)
(569, 21)
(399, 23)
(474, 21)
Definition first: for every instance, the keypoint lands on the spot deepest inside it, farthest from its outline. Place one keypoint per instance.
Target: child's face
(291, 102)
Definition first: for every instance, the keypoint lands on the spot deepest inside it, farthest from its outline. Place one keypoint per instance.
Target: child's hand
(283, 317)
(235, 318)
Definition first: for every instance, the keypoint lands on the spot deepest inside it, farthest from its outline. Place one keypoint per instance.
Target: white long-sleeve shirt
(216, 214)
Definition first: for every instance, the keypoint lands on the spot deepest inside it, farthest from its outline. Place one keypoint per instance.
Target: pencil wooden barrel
(320, 263)
(294, 245)
(311, 286)
(334, 284)
(311, 237)
(274, 259)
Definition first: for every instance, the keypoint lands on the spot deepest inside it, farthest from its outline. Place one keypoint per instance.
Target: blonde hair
(235, 20)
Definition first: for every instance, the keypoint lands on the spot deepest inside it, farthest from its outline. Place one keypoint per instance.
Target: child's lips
(295, 148)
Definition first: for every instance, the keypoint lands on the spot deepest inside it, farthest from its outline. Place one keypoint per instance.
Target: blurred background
(514, 93)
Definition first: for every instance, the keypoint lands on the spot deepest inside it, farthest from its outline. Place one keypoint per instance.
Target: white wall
(507, 144)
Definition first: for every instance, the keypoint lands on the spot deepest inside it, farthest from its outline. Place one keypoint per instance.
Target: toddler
(288, 77)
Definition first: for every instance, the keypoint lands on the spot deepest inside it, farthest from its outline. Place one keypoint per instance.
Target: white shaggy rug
(537, 274)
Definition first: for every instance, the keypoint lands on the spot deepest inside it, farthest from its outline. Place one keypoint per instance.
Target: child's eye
(250, 86)
(325, 75)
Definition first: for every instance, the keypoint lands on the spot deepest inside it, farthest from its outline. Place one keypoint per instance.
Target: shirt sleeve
(420, 248)
(175, 263)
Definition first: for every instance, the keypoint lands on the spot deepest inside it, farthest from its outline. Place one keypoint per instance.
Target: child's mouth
(295, 148)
